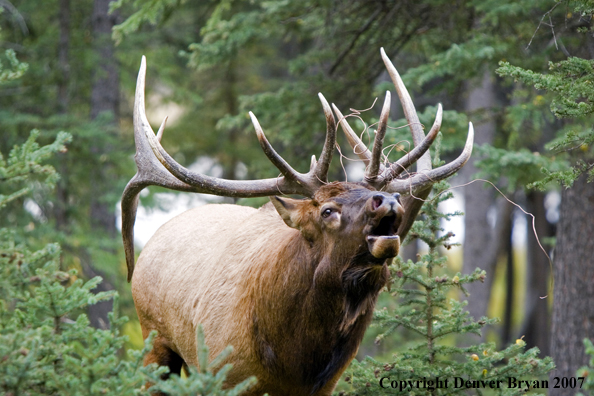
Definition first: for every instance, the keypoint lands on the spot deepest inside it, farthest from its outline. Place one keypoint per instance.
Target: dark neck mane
(324, 307)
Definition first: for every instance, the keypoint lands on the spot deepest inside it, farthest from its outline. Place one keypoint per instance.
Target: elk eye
(326, 213)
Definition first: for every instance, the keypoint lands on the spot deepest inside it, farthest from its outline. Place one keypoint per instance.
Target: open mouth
(385, 227)
(382, 241)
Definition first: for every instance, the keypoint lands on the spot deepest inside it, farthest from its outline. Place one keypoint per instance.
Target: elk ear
(290, 210)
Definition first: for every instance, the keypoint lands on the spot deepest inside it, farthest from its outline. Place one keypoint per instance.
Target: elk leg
(163, 355)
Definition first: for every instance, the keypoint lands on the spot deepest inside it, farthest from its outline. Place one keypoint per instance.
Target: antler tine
(422, 180)
(278, 161)
(229, 188)
(424, 163)
(162, 129)
(399, 166)
(166, 172)
(321, 168)
(358, 146)
(150, 171)
(378, 144)
(313, 163)
(419, 185)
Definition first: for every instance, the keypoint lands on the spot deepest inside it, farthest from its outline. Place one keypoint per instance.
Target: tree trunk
(60, 211)
(63, 50)
(106, 84)
(229, 97)
(536, 327)
(510, 299)
(481, 241)
(104, 101)
(573, 303)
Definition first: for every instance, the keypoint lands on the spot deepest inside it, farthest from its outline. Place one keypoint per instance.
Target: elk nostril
(377, 201)
(397, 196)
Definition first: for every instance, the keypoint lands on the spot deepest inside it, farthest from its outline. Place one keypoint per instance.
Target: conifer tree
(434, 324)
(47, 346)
(568, 88)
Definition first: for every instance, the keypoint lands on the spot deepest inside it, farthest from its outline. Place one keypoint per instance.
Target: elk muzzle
(382, 241)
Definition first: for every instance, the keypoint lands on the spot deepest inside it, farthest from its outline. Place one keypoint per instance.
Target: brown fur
(293, 302)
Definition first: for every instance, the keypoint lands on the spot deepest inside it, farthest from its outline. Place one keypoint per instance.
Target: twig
(541, 23)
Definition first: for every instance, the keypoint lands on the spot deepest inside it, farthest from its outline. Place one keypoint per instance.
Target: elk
(292, 285)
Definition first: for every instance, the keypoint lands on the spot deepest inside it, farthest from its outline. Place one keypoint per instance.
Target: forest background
(522, 71)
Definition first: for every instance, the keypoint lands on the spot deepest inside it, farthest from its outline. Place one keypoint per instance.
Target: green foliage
(54, 95)
(584, 7)
(569, 86)
(454, 61)
(222, 39)
(520, 34)
(150, 11)
(433, 323)
(47, 346)
(587, 371)
(43, 350)
(493, 30)
(519, 168)
(571, 81)
(17, 69)
(24, 162)
(208, 379)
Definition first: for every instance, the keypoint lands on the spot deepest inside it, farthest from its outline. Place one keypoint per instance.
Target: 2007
(565, 382)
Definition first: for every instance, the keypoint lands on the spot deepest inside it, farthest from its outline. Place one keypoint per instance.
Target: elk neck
(323, 302)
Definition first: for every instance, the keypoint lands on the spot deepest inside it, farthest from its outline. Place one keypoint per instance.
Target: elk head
(347, 217)
(389, 217)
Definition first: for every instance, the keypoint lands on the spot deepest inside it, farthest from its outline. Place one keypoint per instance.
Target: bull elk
(292, 285)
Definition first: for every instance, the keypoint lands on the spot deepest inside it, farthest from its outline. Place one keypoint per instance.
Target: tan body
(208, 266)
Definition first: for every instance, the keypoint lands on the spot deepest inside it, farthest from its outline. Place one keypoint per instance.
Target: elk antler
(417, 186)
(156, 167)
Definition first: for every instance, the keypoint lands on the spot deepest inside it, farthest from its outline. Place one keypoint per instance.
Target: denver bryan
(459, 382)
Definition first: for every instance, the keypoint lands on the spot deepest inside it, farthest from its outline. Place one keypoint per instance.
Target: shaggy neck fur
(325, 302)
